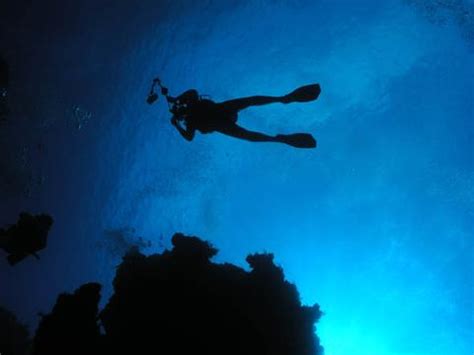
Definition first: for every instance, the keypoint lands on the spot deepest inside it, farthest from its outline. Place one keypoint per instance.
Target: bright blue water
(375, 225)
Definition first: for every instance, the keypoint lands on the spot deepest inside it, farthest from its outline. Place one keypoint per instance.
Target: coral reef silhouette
(71, 327)
(180, 302)
(14, 339)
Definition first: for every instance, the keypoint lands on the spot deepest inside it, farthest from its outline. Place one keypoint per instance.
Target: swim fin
(303, 94)
(298, 140)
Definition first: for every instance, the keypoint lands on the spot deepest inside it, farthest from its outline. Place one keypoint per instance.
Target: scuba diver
(193, 112)
(26, 237)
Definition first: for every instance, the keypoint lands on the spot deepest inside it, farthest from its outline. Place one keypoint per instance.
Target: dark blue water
(375, 225)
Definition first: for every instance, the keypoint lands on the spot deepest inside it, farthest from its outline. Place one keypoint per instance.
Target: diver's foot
(297, 140)
(303, 94)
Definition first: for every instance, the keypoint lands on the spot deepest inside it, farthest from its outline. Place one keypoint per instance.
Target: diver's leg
(244, 102)
(297, 140)
(241, 133)
(302, 94)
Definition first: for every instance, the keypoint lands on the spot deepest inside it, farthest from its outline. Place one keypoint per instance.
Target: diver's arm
(187, 133)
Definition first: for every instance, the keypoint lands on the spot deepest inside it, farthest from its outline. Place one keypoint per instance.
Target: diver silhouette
(26, 237)
(193, 112)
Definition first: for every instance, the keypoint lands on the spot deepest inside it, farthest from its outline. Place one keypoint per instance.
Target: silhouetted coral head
(192, 248)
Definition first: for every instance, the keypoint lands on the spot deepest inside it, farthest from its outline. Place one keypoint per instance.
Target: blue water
(375, 225)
